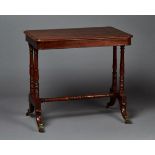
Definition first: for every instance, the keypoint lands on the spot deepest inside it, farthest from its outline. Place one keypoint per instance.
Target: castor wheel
(127, 121)
(29, 113)
(41, 128)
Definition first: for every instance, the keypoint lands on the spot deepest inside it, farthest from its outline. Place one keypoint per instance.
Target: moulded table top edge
(120, 34)
(77, 36)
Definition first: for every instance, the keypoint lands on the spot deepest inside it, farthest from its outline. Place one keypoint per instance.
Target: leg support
(113, 89)
(34, 101)
(36, 96)
(31, 72)
(122, 98)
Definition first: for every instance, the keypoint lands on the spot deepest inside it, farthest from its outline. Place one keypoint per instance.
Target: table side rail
(80, 97)
(62, 44)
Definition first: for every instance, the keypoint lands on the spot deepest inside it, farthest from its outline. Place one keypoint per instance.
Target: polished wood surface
(71, 38)
(77, 37)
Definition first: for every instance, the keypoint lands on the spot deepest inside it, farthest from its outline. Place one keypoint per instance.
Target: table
(76, 38)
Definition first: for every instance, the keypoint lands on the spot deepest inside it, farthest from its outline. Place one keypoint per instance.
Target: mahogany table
(76, 38)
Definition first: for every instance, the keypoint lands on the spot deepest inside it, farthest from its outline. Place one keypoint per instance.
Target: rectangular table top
(77, 37)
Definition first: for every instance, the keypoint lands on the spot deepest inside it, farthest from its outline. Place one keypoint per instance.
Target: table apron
(44, 45)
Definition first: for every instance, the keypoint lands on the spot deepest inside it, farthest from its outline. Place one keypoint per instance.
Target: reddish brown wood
(113, 89)
(31, 71)
(36, 96)
(122, 71)
(114, 81)
(81, 97)
(77, 37)
(36, 73)
(122, 97)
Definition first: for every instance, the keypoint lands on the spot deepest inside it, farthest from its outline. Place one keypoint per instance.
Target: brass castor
(127, 121)
(41, 128)
(29, 113)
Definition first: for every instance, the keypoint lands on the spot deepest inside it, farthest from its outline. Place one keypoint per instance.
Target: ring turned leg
(122, 98)
(38, 113)
(31, 72)
(113, 89)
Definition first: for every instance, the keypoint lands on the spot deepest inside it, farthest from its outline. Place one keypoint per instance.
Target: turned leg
(122, 98)
(113, 89)
(31, 72)
(36, 96)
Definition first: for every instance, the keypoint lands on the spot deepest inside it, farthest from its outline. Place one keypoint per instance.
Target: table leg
(122, 98)
(36, 96)
(31, 72)
(113, 89)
